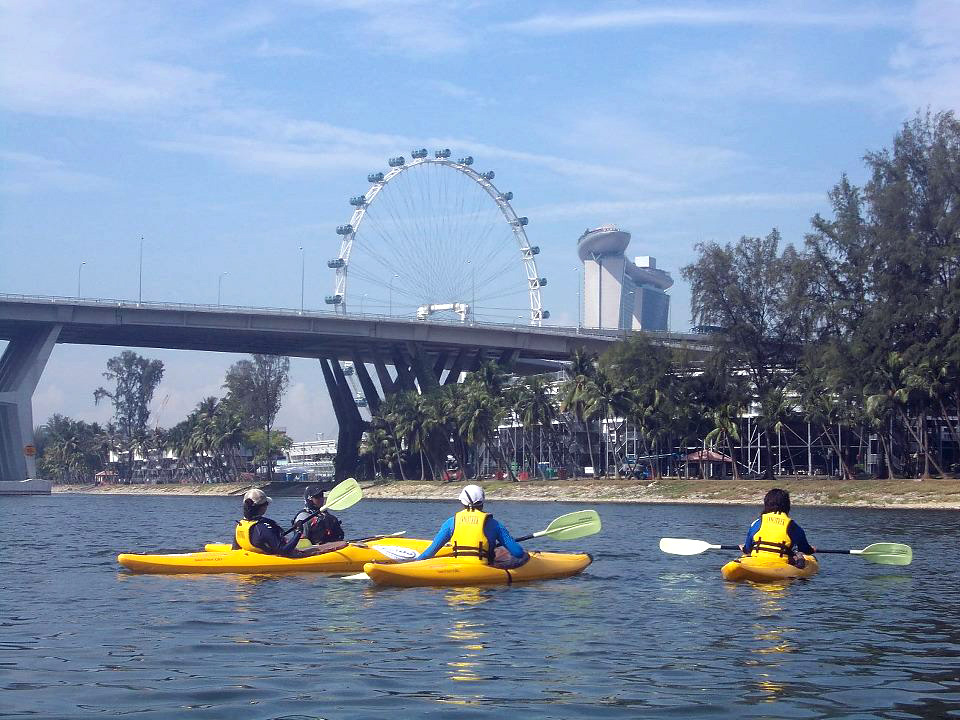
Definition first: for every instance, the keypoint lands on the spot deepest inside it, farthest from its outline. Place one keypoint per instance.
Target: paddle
(342, 496)
(378, 537)
(362, 542)
(880, 553)
(566, 527)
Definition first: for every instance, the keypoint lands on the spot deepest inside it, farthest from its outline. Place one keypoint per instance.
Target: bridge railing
(331, 315)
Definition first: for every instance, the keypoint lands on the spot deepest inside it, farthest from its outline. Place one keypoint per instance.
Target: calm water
(639, 634)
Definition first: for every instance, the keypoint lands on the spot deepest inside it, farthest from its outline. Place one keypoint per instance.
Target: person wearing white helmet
(475, 533)
(257, 533)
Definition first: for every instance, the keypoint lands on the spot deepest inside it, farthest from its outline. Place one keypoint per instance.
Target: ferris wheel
(433, 238)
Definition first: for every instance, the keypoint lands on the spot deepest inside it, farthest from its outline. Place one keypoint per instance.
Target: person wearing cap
(318, 528)
(257, 533)
(475, 533)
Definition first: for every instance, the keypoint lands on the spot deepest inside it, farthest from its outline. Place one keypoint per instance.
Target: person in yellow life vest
(774, 534)
(257, 533)
(474, 533)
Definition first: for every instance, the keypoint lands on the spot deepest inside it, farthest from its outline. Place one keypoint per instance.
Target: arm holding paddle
(566, 527)
(882, 553)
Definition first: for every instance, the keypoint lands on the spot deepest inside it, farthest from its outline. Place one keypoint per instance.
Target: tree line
(854, 334)
(207, 445)
(852, 337)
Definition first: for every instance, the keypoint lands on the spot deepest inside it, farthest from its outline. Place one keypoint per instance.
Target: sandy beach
(900, 494)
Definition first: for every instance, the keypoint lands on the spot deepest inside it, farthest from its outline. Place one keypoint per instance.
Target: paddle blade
(344, 495)
(573, 525)
(682, 546)
(888, 554)
(358, 576)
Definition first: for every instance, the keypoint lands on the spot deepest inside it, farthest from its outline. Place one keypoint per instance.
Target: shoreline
(804, 491)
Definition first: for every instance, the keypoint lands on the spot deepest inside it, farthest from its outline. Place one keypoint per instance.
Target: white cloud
(80, 60)
(457, 92)
(723, 200)
(925, 68)
(778, 14)
(25, 173)
(267, 49)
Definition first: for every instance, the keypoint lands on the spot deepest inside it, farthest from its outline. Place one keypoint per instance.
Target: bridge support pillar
(351, 425)
(366, 382)
(21, 366)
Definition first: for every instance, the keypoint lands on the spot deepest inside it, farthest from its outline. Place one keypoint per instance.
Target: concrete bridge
(405, 354)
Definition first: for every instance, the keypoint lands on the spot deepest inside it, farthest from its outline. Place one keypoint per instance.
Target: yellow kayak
(447, 571)
(223, 559)
(761, 569)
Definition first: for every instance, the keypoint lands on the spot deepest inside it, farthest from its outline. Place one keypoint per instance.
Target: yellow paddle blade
(887, 553)
(343, 495)
(573, 525)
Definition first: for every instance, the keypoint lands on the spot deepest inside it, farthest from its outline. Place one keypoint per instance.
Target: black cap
(312, 491)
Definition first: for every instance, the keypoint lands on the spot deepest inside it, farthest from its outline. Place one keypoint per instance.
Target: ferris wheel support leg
(350, 424)
(366, 382)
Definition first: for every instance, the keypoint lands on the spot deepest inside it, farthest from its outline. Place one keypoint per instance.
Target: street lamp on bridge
(220, 286)
(302, 270)
(79, 269)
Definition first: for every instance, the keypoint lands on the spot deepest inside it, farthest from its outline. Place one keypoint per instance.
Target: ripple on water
(639, 634)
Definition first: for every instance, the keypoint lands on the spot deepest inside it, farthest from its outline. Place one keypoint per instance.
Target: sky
(227, 135)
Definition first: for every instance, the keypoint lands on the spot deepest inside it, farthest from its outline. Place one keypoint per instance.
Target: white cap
(472, 496)
(255, 497)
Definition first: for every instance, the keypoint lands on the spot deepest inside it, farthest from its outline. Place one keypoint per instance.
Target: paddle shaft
(302, 522)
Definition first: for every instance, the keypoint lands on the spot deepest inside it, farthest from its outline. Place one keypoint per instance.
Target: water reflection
(771, 638)
(468, 635)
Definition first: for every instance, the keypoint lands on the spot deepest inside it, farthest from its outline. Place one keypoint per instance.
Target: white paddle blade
(358, 576)
(682, 546)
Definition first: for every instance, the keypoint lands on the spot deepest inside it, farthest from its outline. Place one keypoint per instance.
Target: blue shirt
(496, 534)
(796, 534)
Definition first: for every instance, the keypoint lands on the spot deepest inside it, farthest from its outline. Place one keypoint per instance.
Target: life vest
(321, 528)
(468, 539)
(772, 537)
(242, 535)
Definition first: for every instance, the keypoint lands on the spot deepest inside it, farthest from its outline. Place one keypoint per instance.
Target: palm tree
(481, 415)
(575, 390)
(725, 429)
(608, 400)
(535, 407)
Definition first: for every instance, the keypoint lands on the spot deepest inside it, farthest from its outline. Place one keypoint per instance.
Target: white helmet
(255, 497)
(472, 496)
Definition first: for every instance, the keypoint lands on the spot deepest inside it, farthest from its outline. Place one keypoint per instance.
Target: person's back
(775, 535)
(474, 533)
(256, 533)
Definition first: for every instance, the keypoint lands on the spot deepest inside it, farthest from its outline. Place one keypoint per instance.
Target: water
(639, 634)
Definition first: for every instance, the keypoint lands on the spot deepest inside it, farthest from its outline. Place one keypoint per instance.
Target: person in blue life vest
(775, 534)
(318, 528)
(475, 533)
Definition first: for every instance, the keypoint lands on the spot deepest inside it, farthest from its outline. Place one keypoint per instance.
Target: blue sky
(229, 134)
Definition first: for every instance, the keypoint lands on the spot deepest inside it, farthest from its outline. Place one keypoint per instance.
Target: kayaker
(317, 528)
(257, 533)
(474, 533)
(775, 532)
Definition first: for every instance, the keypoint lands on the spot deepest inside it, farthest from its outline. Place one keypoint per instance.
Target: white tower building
(619, 294)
